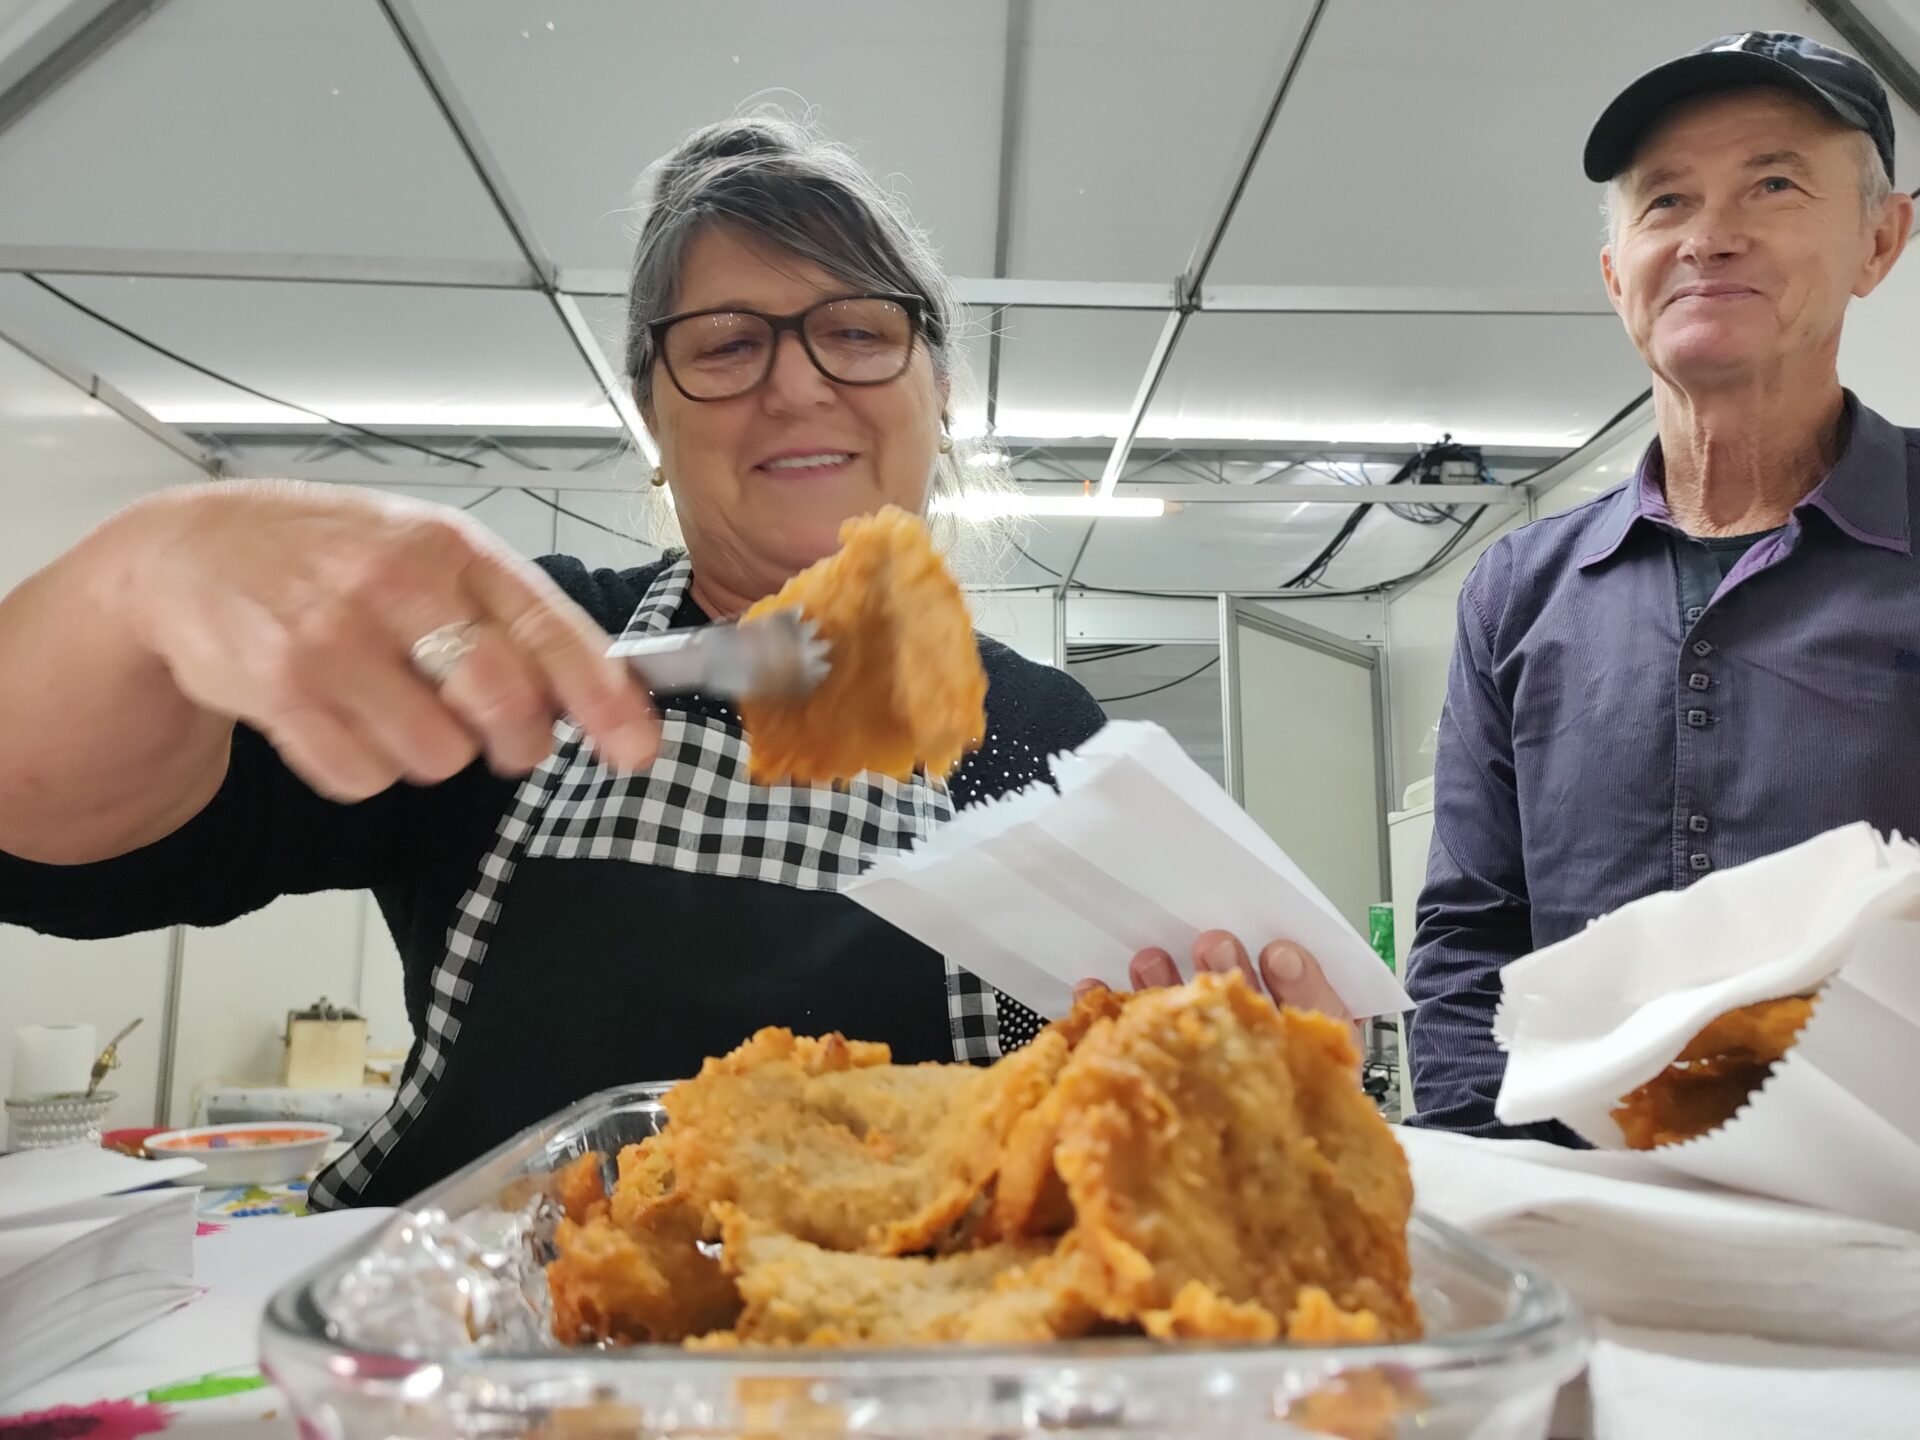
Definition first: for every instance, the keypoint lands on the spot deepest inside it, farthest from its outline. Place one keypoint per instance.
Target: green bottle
(1380, 933)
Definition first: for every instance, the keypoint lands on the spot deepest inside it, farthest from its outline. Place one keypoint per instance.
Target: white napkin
(1658, 1385)
(1838, 1123)
(32, 1181)
(1640, 1245)
(1138, 848)
(239, 1268)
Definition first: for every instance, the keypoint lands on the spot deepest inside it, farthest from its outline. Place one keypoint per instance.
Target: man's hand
(1287, 972)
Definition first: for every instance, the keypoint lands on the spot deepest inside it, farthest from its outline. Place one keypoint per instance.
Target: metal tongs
(773, 657)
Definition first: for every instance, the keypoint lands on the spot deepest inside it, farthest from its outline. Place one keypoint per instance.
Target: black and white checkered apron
(693, 811)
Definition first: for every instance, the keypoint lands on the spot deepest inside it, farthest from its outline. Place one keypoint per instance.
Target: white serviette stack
(1716, 1314)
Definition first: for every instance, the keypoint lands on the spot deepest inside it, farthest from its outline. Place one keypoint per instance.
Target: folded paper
(1137, 848)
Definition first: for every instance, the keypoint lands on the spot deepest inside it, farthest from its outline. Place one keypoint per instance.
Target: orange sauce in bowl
(245, 1139)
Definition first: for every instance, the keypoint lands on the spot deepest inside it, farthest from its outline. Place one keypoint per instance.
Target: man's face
(1739, 236)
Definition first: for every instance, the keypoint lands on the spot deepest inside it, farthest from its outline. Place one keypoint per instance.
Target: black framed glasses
(851, 339)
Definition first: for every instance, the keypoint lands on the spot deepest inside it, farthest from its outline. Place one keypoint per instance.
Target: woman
(230, 693)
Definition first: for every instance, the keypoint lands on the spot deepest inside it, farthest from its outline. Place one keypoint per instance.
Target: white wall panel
(241, 979)
(1306, 756)
(66, 463)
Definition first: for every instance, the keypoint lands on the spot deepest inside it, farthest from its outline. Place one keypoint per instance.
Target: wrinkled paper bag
(1837, 1125)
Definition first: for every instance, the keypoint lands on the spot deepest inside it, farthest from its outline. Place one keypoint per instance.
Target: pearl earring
(946, 444)
(659, 477)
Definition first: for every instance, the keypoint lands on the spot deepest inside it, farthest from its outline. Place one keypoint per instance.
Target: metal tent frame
(66, 35)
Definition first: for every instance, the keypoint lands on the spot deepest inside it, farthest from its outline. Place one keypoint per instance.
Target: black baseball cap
(1832, 79)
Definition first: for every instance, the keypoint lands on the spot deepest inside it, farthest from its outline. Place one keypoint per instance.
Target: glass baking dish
(435, 1325)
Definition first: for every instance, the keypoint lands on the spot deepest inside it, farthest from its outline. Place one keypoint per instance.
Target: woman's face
(761, 482)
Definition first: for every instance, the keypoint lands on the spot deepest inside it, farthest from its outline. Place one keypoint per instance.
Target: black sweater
(598, 971)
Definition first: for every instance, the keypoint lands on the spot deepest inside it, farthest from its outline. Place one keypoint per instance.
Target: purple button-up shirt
(1596, 747)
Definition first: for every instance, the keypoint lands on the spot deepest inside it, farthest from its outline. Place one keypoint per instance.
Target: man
(1722, 658)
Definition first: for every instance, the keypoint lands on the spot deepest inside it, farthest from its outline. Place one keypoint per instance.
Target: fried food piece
(1197, 1313)
(1682, 1104)
(1089, 1009)
(645, 1177)
(824, 1055)
(1316, 1320)
(579, 1188)
(1192, 1163)
(1206, 1137)
(1760, 1033)
(905, 688)
(652, 1283)
(1362, 1404)
(629, 1265)
(880, 1158)
(801, 1294)
(1029, 1197)
(1716, 1073)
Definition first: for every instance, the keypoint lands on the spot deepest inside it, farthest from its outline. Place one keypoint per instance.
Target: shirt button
(1694, 612)
(1698, 719)
(1699, 862)
(1698, 681)
(1697, 824)
(1702, 648)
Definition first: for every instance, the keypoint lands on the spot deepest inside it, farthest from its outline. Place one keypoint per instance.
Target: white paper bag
(1837, 1125)
(1138, 848)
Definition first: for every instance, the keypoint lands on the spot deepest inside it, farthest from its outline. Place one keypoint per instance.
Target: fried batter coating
(1365, 1404)
(1190, 1163)
(1029, 1197)
(801, 1294)
(1316, 1320)
(1716, 1073)
(1206, 1137)
(905, 689)
(650, 1284)
(645, 1177)
(580, 1189)
(1759, 1033)
(877, 1158)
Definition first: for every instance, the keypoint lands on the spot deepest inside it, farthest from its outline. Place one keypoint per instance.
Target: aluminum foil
(432, 1285)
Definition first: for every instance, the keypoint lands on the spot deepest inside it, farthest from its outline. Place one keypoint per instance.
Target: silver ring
(438, 653)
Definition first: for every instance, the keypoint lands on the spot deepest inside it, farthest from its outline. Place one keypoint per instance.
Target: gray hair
(780, 181)
(1875, 185)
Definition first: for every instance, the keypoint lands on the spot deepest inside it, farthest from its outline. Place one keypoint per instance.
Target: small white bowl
(256, 1152)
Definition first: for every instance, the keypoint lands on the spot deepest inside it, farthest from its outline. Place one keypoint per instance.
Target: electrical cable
(1155, 690)
(402, 442)
(1305, 580)
(154, 345)
(1095, 654)
(585, 519)
(1419, 572)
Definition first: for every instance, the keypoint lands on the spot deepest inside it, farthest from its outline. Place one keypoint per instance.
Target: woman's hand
(1286, 971)
(295, 608)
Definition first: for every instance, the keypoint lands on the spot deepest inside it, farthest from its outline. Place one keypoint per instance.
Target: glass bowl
(435, 1326)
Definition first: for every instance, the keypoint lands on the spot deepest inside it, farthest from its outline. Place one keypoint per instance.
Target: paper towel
(52, 1059)
(1139, 847)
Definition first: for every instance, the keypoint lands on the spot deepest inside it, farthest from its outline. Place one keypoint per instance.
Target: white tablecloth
(202, 1360)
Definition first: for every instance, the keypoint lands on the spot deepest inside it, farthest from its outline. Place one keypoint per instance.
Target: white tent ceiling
(1421, 146)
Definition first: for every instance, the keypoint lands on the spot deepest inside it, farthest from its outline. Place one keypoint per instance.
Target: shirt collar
(1865, 494)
